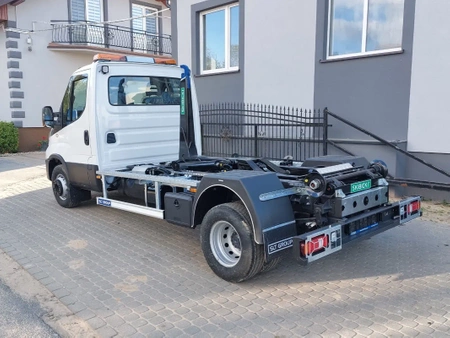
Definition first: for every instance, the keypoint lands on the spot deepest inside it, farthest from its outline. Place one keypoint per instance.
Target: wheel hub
(60, 188)
(225, 244)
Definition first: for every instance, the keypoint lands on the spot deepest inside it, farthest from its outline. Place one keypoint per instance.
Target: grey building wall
(421, 172)
(222, 87)
(373, 92)
(395, 161)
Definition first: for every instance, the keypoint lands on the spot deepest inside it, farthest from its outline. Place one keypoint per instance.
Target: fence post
(256, 140)
(325, 131)
(106, 35)
(202, 132)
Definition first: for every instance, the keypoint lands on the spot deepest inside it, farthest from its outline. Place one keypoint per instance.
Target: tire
(271, 265)
(65, 193)
(228, 243)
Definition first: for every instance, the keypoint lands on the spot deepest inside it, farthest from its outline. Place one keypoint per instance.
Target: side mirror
(47, 117)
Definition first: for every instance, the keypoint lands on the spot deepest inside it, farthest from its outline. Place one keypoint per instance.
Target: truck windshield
(143, 90)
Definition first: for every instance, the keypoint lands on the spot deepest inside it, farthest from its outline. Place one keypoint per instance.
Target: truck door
(72, 135)
(138, 114)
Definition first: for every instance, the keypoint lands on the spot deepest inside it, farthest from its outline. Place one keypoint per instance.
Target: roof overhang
(165, 2)
(11, 2)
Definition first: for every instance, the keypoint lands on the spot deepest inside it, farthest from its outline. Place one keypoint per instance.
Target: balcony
(93, 36)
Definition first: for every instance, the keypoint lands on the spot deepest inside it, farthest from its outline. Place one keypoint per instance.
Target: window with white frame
(219, 39)
(147, 19)
(86, 10)
(91, 11)
(145, 28)
(360, 27)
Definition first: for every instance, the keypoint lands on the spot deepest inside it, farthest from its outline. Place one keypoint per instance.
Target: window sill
(362, 56)
(218, 73)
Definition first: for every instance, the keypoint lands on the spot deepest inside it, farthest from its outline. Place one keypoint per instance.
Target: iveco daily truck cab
(128, 128)
(114, 114)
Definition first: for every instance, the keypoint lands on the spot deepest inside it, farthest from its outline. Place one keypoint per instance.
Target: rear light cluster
(315, 245)
(320, 243)
(409, 209)
(414, 207)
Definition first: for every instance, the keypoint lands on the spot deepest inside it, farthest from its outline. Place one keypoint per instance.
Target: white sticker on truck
(104, 202)
(280, 245)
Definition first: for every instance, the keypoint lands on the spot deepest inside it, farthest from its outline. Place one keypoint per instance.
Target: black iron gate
(253, 130)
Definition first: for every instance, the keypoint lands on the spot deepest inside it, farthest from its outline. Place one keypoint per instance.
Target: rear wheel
(65, 193)
(228, 243)
(271, 265)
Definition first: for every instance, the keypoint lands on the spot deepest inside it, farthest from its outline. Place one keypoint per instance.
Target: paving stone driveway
(130, 275)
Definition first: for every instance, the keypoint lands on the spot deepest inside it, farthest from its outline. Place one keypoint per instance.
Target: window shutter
(94, 11)
(137, 23)
(77, 10)
(150, 25)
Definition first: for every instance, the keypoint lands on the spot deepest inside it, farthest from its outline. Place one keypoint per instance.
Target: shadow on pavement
(414, 250)
(103, 262)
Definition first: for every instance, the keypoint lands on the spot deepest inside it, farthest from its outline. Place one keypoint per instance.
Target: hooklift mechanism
(251, 210)
(313, 208)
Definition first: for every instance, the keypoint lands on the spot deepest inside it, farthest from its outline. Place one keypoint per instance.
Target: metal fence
(253, 130)
(88, 33)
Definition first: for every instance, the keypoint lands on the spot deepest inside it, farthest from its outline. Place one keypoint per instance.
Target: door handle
(86, 137)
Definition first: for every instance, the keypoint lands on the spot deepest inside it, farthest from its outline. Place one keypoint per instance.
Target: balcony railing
(85, 33)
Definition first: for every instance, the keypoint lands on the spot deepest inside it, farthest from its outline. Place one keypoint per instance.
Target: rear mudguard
(273, 220)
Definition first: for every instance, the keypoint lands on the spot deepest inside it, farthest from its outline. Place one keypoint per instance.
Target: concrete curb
(57, 316)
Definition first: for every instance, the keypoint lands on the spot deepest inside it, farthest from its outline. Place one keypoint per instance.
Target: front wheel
(65, 193)
(228, 243)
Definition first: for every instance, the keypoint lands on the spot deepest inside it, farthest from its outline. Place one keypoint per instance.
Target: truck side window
(65, 105)
(74, 101)
(143, 90)
(78, 98)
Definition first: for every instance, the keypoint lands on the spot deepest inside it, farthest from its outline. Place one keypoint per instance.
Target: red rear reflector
(315, 244)
(414, 206)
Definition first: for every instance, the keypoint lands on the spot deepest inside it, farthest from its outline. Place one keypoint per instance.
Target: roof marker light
(133, 58)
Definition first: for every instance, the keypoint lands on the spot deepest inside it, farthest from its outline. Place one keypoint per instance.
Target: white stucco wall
(45, 72)
(429, 114)
(280, 48)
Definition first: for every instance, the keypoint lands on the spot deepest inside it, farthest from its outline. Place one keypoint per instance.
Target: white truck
(128, 128)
